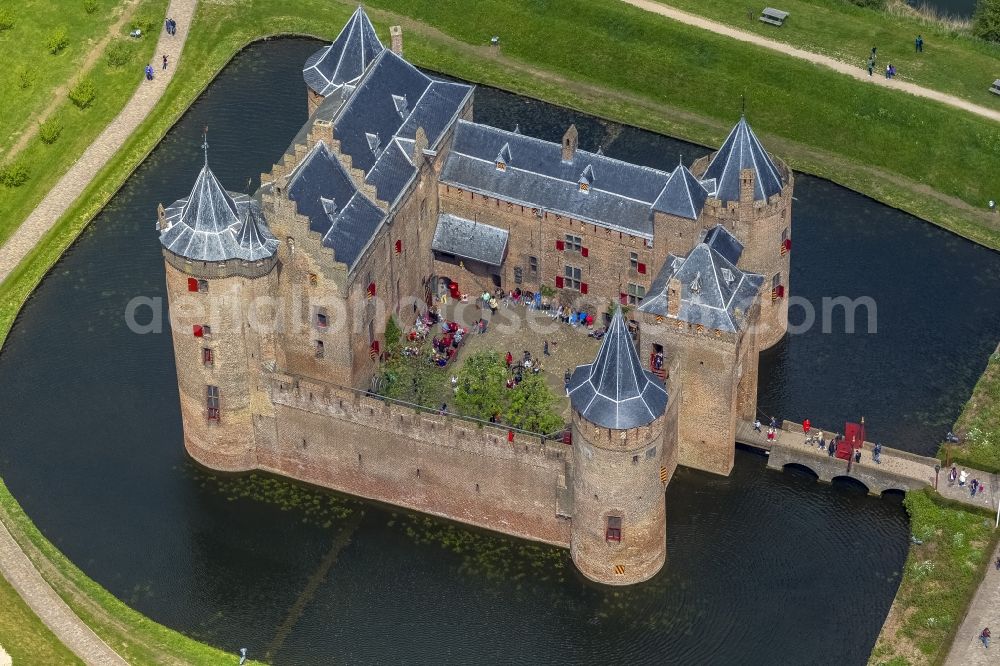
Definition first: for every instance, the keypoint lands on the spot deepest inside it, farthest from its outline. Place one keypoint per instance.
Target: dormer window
(696, 283)
(503, 157)
(373, 142)
(728, 276)
(586, 178)
(399, 101)
(329, 207)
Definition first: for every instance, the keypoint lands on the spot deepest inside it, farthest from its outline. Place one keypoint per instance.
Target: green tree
(393, 336)
(481, 385)
(986, 20)
(532, 406)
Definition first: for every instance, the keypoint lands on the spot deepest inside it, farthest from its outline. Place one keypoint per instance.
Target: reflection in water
(762, 567)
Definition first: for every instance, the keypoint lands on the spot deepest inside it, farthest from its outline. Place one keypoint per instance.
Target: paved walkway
(966, 650)
(844, 68)
(73, 182)
(49, 607)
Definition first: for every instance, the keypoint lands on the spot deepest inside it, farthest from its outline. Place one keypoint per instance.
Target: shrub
(146, 22)
(986, 20)
(83, 93)
(119, 53)
(90, 6)
(57, 40)
(14, 174)
(874, 4)
(6, 18)
(50, 130)
(25, 77)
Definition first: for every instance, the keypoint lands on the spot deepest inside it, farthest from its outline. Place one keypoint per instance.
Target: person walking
(877, 454)
(149, 72)
(545, 348)
(857, 455)
(756, 426)
(984, 636)
(164, 61)
(871, 66)
(962, 477)
(831, 448)
(918, 43)
(952, 475)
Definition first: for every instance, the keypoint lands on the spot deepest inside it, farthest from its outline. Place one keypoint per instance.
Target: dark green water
(762, 568)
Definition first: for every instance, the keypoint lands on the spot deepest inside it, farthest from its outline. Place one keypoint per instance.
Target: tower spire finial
(204, 143)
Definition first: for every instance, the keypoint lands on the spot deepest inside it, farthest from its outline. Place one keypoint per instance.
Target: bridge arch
(894, 494)
(850, 482)
(801, 468)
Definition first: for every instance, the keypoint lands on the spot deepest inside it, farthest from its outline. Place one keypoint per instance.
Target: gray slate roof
(324, 192)
(615, 391)
(683, 195)
(345, 60)
(714, 293)
(211, 224)
(742, 150)
(620, 197)
(470, 240)
(719, 239)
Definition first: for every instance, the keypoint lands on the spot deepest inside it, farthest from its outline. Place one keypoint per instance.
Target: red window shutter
(371, 290)
(510, 435)
(399, 247)
(585, 251)
(583, 287)
(559, 282)
(192, 284)
(560, 245)
(198, 331)
(376, 346)
(781, 291)
(623, 298)
(641, 268)
(788, 244)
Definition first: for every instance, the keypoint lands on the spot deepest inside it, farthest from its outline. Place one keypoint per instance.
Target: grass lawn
(26, 54)
(46, 163)
(952, 61)
(979, 424)
(136, 638)
(940, 577)
(24, 637)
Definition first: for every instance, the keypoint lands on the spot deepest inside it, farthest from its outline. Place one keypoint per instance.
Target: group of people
(446, 346)
(170, 26)
(516, 371)
(963, 477)
(890, 69)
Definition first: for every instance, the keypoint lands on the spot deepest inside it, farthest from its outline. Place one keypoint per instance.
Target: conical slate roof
(615, 391)
(742, 150)
(254, 238)
(208, 224)
(683, 195)
(346, 59)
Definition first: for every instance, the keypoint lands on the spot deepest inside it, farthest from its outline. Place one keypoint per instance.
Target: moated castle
(388, 193)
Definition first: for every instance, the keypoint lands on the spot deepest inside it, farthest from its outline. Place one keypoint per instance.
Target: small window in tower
(203, 286)
(321, 320)
(206, 330)
(212, 402)
(636, 294)
(533, 266)
(319, 348)
(313, 279)
(633, 259)
(650, 453)
(635, 460)
(207, 356)
(613, 529)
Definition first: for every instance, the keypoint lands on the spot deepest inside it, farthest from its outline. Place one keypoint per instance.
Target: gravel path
(844, 68)
(49, 607)
(966, 650)
(97, 155)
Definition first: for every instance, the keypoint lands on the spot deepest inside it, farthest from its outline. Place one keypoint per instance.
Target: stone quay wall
(437, 464)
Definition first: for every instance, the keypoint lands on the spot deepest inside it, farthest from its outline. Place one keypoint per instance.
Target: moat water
(763, 567)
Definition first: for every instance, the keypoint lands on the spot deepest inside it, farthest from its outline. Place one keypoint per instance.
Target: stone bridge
(898, 471)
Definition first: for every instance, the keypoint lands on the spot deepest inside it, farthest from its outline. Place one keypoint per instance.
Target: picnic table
(995, 88)
(773, 16)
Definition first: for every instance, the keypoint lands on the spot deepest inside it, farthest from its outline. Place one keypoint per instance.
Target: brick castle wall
(435, 464)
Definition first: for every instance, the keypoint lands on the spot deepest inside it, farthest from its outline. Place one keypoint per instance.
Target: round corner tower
(619, 532)
(752, 198)
(219, 259)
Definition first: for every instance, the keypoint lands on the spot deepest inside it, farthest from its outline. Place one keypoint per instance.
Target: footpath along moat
(94, 450)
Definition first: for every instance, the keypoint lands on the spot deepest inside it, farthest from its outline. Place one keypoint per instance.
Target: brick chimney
(570, 139)
(746, 185)
(673, 297)
(396, 34)
(419, 146)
